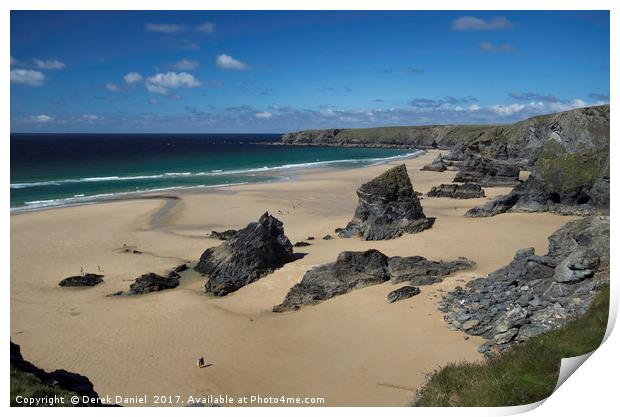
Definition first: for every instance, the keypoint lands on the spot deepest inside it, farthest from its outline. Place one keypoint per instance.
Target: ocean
(50, 170)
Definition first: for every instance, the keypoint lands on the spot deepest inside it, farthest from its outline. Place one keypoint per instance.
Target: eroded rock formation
(249, 255)
(388, 207)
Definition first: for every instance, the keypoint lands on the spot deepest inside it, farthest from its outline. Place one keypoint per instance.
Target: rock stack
(247, 256)
(388, 207)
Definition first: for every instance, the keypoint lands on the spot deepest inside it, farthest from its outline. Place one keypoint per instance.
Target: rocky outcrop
(421, 271)
(488, 172)
(225, 235)
(534, 294)
(461, 191)
(249, 255)
(537, 195)
(354, 270)
(86, 280)
(60, 378)
(301, 244)
(402, 293)
(521, 142)
(351, 270)
(438, 165)
(151, 282)
(388, 207)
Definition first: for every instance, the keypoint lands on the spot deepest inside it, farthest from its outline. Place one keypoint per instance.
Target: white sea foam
(114, 178)
(83, 199)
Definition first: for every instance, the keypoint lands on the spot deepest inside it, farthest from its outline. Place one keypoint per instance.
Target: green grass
(29, 386)
(525, 374)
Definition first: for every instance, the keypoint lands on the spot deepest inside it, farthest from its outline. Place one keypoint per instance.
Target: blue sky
(215, 71)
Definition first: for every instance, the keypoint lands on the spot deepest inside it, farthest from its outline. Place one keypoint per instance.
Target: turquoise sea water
(61, 169)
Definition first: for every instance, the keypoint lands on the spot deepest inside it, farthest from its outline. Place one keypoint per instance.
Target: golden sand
(355, 349)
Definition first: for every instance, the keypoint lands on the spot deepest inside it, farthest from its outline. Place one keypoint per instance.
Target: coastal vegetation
(525, 374)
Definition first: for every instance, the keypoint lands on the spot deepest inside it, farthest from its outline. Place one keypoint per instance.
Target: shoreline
(281, 170)
(354, 349)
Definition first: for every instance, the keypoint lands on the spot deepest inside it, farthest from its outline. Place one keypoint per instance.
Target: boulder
(152, 282)
(402, 293)
(417, 268)
(351, 270)
(301, 244)
(225, 235)
(463, 191)
(438, 165)
(576, 267)
(388, 207)
(86, 280)
(249, 255)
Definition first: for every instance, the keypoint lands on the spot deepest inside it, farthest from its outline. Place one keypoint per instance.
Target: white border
(591, 391)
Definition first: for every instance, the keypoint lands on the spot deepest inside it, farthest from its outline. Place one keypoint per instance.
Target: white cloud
(228, 62)
(111, 87)
(42, 118)
(206, 27)
(28, 77)
(475, 23)
(132, 77)
(51, 64)
(264, 115)
(156, 89)
(489, 47)
(506, 110)
(91, 117)
(167, 28)
(160, 83)
(186, 64)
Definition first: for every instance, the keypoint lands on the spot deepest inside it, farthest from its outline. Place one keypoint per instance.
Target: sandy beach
(353, 350)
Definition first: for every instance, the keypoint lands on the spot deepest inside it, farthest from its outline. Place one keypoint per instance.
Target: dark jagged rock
(465, 190)
(249, 255)
(359, 269)
(60, 378)
(301, 244)
(561, 182)
(351, 270)
(86, 280)
(402, 293)
(488, 172)
(310, 238)
(534, 195)
(327, 237)
(388, 207)
(225, 235)
(421, 271)
(534, 294)
(438, 165)
(181, 268)
(152, 282)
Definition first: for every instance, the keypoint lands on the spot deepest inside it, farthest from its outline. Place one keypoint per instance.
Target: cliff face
(522, 141)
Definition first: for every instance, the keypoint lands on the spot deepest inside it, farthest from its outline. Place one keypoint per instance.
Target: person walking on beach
(201, 362)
